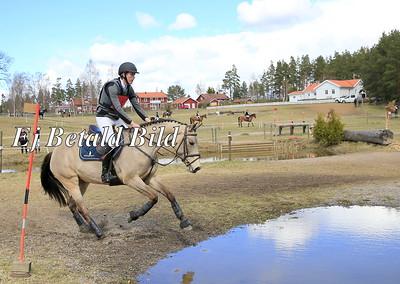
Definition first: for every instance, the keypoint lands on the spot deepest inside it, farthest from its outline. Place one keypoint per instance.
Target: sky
(181, 41)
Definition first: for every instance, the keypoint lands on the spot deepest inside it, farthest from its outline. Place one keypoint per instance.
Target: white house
(328, 90)
(307, 94)
(295, 96)
(332, 89)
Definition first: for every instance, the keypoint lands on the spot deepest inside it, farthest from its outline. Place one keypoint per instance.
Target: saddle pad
(88, 153)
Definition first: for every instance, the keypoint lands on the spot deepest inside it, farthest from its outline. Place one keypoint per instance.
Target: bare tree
(19, 86)
(5, 62)
(91, 76)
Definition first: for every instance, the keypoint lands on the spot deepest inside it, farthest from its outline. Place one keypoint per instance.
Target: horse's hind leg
(72, 184)
(156, 185)
(80, 221)
(138, 184)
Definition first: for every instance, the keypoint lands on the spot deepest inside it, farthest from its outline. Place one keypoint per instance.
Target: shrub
(328, 131)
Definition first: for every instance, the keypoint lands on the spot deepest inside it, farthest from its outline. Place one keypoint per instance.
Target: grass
(367, 117)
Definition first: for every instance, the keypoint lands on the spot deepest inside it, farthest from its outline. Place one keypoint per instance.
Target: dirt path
(219, 197)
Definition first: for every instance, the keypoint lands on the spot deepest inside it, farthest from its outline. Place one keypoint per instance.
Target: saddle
(89, 153)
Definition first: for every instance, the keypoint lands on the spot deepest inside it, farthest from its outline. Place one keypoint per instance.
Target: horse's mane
(161, 120)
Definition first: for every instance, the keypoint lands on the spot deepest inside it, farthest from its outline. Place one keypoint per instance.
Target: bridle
(176, 151)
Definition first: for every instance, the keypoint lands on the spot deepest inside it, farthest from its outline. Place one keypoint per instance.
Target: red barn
(185, 103)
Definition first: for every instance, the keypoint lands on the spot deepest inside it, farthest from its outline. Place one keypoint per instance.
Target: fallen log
(380, 136)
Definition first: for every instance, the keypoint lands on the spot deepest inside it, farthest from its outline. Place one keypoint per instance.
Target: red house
(185, 103)
(152, 100)
(212, 99)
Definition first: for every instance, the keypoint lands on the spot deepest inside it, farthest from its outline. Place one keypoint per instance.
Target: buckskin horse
(65, 177)
(197, 119)
(246, 119)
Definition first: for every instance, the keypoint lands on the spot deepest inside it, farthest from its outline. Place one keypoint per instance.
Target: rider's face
(130, 77)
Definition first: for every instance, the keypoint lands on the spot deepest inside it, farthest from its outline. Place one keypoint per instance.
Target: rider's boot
(104, 151)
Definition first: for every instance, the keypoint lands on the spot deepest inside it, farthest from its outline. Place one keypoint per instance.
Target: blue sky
(180, 41)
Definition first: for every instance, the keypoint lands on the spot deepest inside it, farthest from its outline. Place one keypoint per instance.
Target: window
(333, 91)
(326, 92)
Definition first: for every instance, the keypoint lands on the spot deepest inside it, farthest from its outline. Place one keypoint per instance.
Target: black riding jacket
(109, 103)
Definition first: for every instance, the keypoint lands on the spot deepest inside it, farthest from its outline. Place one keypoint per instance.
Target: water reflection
(319, 245)
(7, 171)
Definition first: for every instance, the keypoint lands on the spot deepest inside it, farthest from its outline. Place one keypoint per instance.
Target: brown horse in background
(197, 119)
(246, 119)
(167, 114)
(390, 108)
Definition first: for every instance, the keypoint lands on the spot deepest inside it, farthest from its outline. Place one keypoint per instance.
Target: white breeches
(106, 126)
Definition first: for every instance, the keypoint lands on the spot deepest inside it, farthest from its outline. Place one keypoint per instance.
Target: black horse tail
(51, 185)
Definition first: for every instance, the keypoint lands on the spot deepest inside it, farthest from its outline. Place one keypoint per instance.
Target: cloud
(270, 14)
(183, 21)
(146, 21)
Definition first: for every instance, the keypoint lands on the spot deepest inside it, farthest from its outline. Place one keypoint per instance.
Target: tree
(267, 80)
(210, 90)
(381, 69)
(281, 79)
(69, 91)
(57, 93)
(174, 92)
(319, 65)
(305, 70)
(199, 89)
(5, 62)
(91, 76)
(244, 91)
(19, 85)
(231, 82)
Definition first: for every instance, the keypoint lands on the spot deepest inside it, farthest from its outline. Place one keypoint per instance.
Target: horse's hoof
(132, 217)
(101, 236)
(185, 224)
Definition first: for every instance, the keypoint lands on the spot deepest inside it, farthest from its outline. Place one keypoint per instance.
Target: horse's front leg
(138, 184)
(159, 187)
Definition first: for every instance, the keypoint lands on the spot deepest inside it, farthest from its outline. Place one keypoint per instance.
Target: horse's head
(253, 115)
(188, 150)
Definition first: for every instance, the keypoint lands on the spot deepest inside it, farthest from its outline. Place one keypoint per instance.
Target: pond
(319, 245)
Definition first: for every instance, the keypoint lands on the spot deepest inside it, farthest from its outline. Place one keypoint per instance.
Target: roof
(295, 93)
(311, 88)
(211, 97)
(182, 100)
(345, 83)
(152, 95)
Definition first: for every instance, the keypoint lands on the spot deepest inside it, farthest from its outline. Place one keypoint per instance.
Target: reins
(175, 153)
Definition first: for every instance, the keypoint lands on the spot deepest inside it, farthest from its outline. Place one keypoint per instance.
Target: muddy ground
(219, 197)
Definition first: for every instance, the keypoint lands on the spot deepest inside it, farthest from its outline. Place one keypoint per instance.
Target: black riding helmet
(127, 67)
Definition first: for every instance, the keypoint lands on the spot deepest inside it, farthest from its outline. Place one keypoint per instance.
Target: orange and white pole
(27, 188)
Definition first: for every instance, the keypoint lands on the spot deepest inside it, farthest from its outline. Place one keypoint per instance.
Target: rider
(247, 114)
(197, 114)
(110, 113)
(157, 116)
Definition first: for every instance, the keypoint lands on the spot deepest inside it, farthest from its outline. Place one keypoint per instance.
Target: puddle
(7, 171)
(319, 245)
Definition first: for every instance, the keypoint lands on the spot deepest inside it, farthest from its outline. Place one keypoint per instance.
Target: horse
(197, 119)
(42, 112)
(390, 108)
(167, 114)
(65, 177)
(246, 119)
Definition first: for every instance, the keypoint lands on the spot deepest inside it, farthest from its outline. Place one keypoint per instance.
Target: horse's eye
(191, 143)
